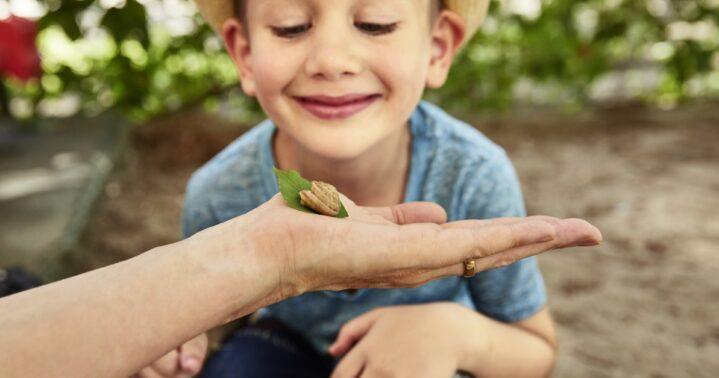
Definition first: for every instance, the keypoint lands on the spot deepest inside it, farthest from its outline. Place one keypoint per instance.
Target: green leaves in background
(291, 183)
(127, 22)
(65, 15)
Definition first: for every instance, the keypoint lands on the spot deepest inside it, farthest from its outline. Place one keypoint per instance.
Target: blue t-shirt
(452, 164)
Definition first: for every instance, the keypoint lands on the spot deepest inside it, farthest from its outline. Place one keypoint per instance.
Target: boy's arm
(523, 349)
(461, 339)
(517, 327)
(510, 335)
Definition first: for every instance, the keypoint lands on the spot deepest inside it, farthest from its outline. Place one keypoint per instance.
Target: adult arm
(115, 320)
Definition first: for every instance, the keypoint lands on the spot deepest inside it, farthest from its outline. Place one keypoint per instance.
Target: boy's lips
(329, 107)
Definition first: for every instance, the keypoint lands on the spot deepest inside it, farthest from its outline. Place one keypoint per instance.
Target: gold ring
(469, 267)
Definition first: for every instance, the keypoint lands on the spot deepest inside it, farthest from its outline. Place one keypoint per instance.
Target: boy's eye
(291, 31)
(376, 29)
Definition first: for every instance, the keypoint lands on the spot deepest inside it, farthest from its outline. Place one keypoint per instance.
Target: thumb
(411, 212)
(192, 354)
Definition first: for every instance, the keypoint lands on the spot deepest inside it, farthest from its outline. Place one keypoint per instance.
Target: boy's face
(340, 76)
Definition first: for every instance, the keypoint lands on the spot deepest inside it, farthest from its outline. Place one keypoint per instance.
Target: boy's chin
(337, 151)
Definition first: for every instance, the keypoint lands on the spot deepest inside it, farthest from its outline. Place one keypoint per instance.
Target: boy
(341, 81)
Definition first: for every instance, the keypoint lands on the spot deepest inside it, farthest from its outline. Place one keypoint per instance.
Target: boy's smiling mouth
(330, 107)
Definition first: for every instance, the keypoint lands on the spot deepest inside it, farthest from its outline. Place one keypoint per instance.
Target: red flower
(18, 54)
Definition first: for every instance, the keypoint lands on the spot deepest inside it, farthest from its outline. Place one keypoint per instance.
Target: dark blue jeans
(267, 349)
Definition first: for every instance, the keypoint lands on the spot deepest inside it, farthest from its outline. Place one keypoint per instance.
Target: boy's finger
(167, 365)
(352, 331)
(192, 354)
(350, 366)
(150, 372)
(411, 212)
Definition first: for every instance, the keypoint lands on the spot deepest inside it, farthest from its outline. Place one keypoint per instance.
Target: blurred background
(608, 108)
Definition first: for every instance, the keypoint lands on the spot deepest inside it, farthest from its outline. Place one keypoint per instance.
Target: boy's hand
(184, 361)
(406, 341)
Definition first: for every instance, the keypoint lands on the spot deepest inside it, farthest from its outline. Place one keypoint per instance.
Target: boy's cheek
(275, 72)
(404, 67)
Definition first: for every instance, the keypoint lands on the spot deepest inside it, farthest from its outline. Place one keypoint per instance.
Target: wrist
(472, 340)
(232, 268)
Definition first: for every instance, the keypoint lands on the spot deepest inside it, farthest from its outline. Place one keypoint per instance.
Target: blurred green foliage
(572, 44)
(124, 60)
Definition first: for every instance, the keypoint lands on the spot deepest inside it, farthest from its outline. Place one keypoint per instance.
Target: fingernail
(191, 363)
(589, 243)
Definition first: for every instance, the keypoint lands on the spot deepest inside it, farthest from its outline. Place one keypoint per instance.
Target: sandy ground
(644, 304)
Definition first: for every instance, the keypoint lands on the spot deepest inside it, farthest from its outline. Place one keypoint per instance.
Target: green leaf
(291, 183)
(343, 212)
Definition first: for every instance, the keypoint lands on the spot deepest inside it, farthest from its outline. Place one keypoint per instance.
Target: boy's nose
(332, 58)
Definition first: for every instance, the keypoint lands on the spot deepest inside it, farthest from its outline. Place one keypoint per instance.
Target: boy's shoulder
(233, 179)
(239, 157)
(452, 137)
(455, 148)
(458, 167)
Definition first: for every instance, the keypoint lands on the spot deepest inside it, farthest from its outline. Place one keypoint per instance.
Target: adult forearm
(166, 296)
(504, 350)
(113, 321)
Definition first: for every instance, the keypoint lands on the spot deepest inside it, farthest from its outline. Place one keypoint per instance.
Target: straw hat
(216, 12)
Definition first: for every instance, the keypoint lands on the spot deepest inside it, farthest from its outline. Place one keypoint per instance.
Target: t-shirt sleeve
(197, 212)
(517, 291)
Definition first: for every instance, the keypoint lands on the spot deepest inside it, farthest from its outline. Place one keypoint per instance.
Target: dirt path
(645, 304)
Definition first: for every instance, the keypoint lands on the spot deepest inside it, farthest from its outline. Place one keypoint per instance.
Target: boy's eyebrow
(379, 6)
(435, 6)
(271, 7)
(240, 5)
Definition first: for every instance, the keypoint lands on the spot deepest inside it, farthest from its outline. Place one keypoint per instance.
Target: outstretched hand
(405, 245)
